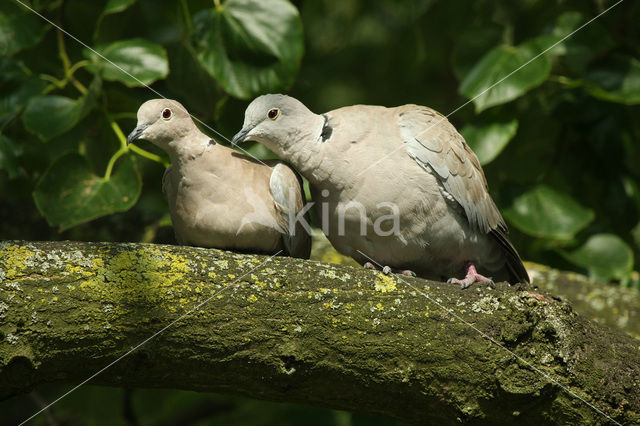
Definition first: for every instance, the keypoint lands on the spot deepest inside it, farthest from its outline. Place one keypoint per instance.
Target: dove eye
(273, 113)
(166, 114)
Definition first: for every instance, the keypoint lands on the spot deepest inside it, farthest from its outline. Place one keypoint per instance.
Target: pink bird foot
(472, 277)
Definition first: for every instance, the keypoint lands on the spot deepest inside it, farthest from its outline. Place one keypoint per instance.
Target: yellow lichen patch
(148, 274)
(75, 269)
(168, 259)
(14, 258)
(332, 257)
(385, 283)
(253, 298)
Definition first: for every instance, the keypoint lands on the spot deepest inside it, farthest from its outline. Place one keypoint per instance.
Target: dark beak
(241, 136)
(136, 133)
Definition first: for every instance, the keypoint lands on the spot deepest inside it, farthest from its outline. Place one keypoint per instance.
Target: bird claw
(369, 265)
(387, 270)
(472, 277)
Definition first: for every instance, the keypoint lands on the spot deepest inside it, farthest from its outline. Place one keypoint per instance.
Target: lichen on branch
(286, 329)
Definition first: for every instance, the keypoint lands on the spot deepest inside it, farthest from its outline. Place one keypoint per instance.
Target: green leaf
(547, 213)
(69, 193)
(471, 45)
(488, 140)
(190, 81)
(635, 233)
(112, 6)
(250, 46)
(605, 256)
(116, 6)
(616, 79)
(19, 32)
(16, 87)
(50, 116)
(90, 99)
(582, 46)
(134, 62)
(9, 153)
(489, 82)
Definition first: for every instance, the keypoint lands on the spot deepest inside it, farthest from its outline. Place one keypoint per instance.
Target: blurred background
(558, 139)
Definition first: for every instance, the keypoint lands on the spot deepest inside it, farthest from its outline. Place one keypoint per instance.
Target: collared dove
(218, 197)
(367, 163)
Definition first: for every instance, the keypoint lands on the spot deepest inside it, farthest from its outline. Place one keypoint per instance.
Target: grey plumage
(409, 156)
(218, 197)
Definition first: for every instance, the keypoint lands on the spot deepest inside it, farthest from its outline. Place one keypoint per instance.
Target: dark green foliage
(69, 193)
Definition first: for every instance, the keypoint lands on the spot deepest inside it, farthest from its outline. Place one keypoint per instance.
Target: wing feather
(436, 145)
(288, 194)
(169, 189)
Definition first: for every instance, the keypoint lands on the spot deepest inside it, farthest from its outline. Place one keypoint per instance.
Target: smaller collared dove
(218, 197)
(407, 165)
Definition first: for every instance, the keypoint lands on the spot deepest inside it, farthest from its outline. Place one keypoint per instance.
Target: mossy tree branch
(290, 330)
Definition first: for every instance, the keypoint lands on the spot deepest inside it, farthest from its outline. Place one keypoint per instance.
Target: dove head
(162, 121)
(279, 122)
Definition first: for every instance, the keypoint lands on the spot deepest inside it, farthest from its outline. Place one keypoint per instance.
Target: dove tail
(517, 271)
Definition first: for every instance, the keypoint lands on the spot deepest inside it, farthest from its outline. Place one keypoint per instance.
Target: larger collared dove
(218, 197)
(366, 163)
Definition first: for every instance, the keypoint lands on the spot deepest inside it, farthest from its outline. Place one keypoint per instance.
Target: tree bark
(284, 329)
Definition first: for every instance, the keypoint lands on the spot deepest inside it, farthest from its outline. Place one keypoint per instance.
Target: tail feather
(517, 271)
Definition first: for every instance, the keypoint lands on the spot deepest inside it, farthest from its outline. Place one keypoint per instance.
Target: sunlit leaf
(501, 75)
(547, 213)
(250, 46)
(69, 193)
(134, 62)
(487, 141)
(49, 116)
(605, 256)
